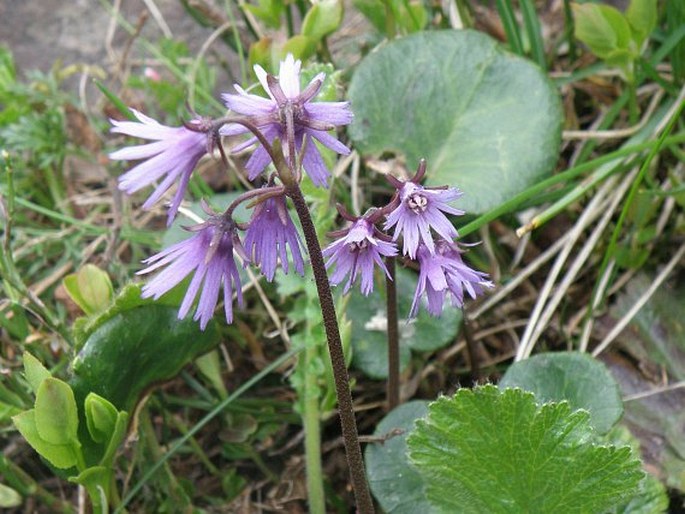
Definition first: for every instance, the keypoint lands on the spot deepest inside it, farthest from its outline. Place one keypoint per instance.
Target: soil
(43, 32)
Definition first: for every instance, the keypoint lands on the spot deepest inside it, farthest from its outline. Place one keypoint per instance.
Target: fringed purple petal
(313, 164)
(190, 256)
(329, 141)
(132, 153)
(248, 104)
(257, 162)
(334, 113)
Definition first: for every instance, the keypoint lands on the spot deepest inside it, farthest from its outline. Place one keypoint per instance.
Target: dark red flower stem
(393, 389)
(342, 380)
(261, 194)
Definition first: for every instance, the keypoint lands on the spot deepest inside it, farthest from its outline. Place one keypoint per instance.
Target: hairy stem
(342, 381)
(393, 391)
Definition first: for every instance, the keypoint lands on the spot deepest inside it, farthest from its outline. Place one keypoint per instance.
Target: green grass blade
(116, 101)
(512, 204)
(511, 28)
(534, 32)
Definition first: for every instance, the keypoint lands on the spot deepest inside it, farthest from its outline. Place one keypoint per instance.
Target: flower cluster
(290, 116)
(414, 212)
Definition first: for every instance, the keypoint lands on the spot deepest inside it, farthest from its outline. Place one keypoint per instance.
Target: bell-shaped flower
(442, 273)
(356, 251)
(208, 257)
(170, 159)
(310, 120)
(420, 209)
(269, 233)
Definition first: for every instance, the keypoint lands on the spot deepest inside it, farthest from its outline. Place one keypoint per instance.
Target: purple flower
(418, 210)
(208, 255)
(444, 272)
(172, 157)
(268, 234)
(356, 251)
(311, 121)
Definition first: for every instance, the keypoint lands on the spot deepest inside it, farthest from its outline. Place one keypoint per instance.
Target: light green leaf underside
(575, 377)
(486, 121)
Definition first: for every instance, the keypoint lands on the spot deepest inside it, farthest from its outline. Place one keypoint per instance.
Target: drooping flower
(171, 158)
(311, 120)
(356, 251)
(418, 210)
(269, 232)
(208, 256)
(444, 272)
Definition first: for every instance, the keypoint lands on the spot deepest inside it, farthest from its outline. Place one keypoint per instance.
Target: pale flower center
(417, 203)
(358, 246)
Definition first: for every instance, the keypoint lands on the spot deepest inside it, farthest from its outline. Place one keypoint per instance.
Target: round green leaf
(575, 377)
(494, 451)
(398, 488)
(487, 121)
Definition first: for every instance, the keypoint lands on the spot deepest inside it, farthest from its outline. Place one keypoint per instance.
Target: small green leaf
(322, 19)
(9, 497)
(374, 10)
(486, 121)
(575, 377)
(269, 11)
(398, 488)
(487, 450)
(302, 47)
(61, 456)
(35, 371)
(118, 435)
(602, 28)
(101, 418)
(90, 288)
(56, 412)
(260, 53)
(642, 17)
(412, 16)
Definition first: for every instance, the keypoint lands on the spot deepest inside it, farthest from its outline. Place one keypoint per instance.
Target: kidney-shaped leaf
(575, 377)
(486, 450)
(395, 484)
(487, 121)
